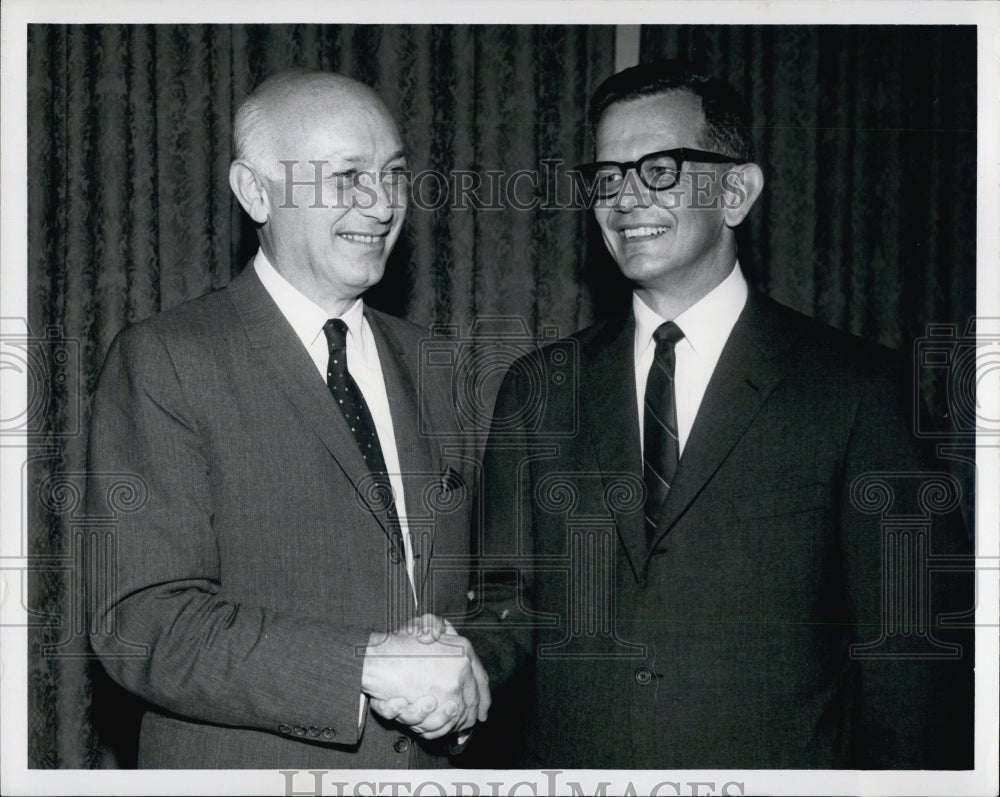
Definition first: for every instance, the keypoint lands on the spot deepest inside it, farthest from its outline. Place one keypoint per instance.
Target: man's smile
(643, 232)
(362, 238)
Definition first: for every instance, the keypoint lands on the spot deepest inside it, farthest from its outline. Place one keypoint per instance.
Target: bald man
(276, 603)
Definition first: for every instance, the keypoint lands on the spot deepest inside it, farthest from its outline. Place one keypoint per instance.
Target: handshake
(426, 676)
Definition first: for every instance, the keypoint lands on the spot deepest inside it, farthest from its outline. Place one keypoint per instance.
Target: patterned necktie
(660, 443)
(352, 403)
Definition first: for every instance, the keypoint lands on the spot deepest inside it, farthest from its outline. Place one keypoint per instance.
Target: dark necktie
(348, 397)
(660, 443)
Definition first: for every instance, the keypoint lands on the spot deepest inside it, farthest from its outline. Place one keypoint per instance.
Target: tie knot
(667, 334)
(336, 333)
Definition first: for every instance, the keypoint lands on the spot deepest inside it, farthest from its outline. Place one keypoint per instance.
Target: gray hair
(251, 142)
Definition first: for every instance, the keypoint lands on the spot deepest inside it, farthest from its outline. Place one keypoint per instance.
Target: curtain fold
(866, 136)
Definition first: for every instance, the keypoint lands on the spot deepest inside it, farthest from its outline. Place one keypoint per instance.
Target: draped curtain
(866, 136)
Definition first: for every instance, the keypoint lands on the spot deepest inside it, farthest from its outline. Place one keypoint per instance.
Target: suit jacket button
(314, 732)
(401, 745)
(284, 728)
(328, 733)
(394, 556)
(643, 676)
(300, 731)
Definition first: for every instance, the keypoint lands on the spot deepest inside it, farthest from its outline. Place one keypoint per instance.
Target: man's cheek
(610, 238)
(704, 191)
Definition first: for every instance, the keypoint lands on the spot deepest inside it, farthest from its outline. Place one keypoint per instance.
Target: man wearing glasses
(690, 574)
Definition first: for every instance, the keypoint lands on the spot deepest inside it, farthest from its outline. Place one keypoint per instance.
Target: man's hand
(426, 676)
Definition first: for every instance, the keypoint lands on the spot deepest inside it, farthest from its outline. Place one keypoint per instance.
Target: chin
(644, 268)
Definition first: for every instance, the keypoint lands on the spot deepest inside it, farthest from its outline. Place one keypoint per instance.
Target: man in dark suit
(683, 561)
(275, 602)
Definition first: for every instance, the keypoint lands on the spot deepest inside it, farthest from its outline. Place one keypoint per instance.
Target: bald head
(284, 104)
(320, 169)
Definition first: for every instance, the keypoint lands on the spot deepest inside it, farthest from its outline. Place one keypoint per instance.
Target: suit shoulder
(813, 346)
(190, 319)
(184, 332)
(600, 331)
(553, 367)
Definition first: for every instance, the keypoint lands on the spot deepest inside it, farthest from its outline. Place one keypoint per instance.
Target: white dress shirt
(706, 325)
(307, 319)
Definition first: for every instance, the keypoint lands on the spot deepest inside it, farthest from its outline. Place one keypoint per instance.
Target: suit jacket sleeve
(165, 628)
(915, 703)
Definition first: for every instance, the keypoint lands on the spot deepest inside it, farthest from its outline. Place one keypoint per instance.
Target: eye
(660, 172)
(344, 178)
(608, 176)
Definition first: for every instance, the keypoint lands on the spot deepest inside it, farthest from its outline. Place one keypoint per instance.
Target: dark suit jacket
(254, 560)
(728, 644)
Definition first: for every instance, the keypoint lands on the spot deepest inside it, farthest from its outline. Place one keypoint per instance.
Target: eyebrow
(399, 154)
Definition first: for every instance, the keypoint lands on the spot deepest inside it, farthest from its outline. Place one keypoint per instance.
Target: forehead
(634, 127)
(333, 123)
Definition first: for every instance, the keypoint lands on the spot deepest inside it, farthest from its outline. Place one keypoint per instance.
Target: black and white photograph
(530, 398)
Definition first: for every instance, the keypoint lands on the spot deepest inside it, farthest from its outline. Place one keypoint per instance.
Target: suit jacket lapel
(745, 375)
(611, 415)
(417, 461)
(288, 364)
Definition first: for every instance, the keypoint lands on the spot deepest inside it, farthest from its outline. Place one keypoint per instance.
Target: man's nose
(375, 199)
(633, 194)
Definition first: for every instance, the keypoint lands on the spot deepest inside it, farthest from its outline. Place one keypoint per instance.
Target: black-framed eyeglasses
(657, 170)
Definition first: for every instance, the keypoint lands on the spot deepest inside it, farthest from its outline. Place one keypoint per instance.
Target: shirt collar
(706, 324)
(306, 317)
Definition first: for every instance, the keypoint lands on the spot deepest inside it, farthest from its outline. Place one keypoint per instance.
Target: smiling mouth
(643, 232)
(361, 239)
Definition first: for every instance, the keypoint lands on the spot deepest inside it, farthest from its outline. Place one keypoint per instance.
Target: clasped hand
(427, 676)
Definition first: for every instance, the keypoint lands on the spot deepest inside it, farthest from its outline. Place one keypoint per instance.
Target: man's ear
(250, 190)
(741, 186)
